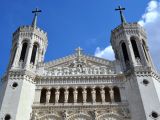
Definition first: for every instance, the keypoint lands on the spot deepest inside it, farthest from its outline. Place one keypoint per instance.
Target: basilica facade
(80, 86)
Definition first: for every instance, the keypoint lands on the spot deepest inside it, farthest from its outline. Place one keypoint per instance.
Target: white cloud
(151, 22)
(106, 53)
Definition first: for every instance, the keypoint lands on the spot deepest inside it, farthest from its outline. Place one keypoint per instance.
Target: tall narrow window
(23, 52)
(125, 53)
(135, 48)
(117, 96)
(144, 45)
(89, 95)
(43, 96)
(52, 97)
(61, 96)
(80, 95)
(71, 96)
(98, 95)
(107, 94)
(34, 51)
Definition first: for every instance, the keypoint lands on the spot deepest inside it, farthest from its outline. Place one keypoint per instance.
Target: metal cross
(120, 9)
(36, 11)
(79, 51)
(34, 22)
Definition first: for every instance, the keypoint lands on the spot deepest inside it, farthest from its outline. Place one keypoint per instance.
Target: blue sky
(69, 23)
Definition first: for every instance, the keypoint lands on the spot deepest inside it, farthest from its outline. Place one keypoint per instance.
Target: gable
(78, 64)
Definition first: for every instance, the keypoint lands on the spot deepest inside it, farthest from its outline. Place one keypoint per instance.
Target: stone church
(80, 86)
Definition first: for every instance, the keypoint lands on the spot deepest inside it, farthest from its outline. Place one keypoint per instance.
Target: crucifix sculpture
(34, 22)
(121, 9)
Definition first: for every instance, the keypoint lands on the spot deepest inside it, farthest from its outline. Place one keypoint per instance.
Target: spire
(120, 9)
(34, 22)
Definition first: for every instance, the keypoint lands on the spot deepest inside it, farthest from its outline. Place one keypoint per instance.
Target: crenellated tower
(129, 42)
(28, 49)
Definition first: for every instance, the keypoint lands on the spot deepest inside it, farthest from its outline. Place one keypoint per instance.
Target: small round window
(154, 115)
(145, 82)
(7, 117)
(15, 84)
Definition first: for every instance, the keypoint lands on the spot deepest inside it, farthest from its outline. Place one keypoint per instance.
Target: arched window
(125, 53)
(89, 94)
(52, 98)
(70, 97)
(34, 51)
(135, 48)
(107, 94)
(61, 95)
(117, 96)
(98, 94)
(80, 95)
(43, 96)
(144, 46)
(23, 52)
(7, 117)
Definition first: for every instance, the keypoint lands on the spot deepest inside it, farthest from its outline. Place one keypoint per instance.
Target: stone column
(102, 94)
(66, 95)
(75, 95)
(17, 54)
(28, 55)
(37, 56)
(48, 95)
(84, 95)
(57, 95)
(93, 95)
(111, 92)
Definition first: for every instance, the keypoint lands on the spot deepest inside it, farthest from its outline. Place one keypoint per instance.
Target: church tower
(28, 49)
(129, 42)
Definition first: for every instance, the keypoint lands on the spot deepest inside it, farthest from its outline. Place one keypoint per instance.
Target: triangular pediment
(77, 64)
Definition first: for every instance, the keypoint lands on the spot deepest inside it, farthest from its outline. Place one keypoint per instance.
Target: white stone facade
(79, 86)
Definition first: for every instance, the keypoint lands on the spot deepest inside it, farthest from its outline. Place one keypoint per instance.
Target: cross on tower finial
(79, 51)
(34, 22)
(120, 9)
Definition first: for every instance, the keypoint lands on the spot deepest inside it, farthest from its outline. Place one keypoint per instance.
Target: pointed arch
(117, 96)
(135, 47)
(43, 95)
(125, 53)
(34, 53)
(24, 50)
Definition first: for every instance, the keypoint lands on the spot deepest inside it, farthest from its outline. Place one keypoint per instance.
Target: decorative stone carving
(57, 96)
